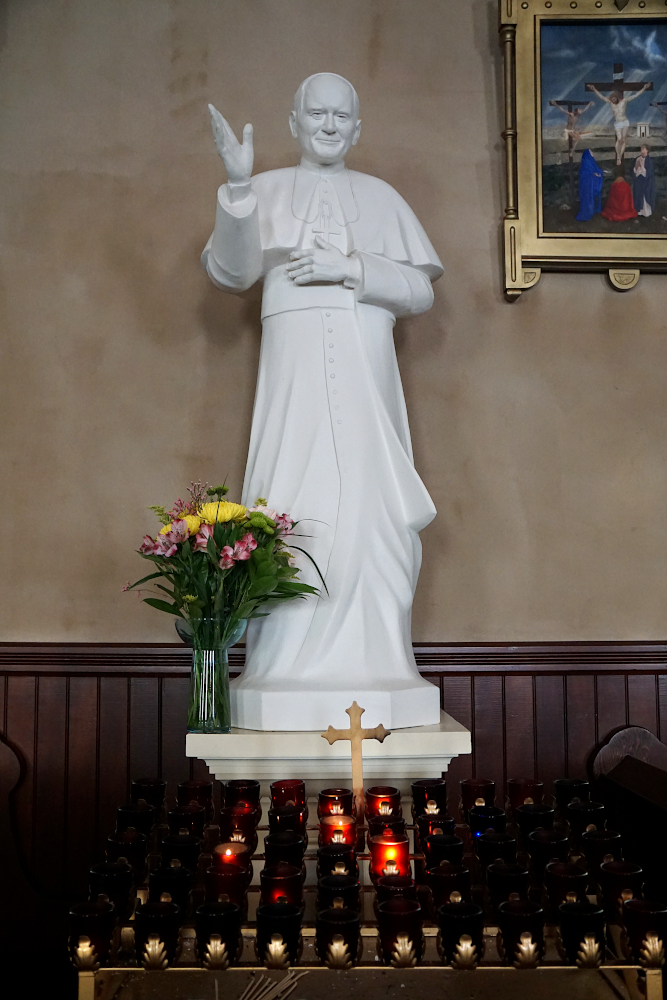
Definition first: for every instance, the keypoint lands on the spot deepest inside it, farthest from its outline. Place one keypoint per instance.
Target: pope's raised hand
(237, 157)
(322, 262)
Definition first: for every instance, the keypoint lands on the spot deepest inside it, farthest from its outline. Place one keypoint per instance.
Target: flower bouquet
(221, 564)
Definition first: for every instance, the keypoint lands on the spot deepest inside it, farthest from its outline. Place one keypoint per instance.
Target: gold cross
(355, 734)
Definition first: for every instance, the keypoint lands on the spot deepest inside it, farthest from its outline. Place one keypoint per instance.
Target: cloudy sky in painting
(575, 54)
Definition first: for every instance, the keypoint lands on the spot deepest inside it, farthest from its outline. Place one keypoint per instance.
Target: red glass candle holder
(245, 793)
(334, 924)
(390, 886)
(428, 825)
(113, 879)
(284, 848)
(441, 847)
(400, 917)
(288, 791)
(335, 802)
(132, 846)
(161, 918)
(138, 815)
(151, 790)
(289, 818)
(197, 790)
(506, 881)
(378, 824)
(429, 795)
(95, 921)
(619, 880)
(226, 881)
(281, 883)
(519, 917)
(642, 917)
(447, 882)
(239, 823)
(476, 791)
(544, 846)
(233, 853)
(383, 800)
(338, 830)
(561, 879)
(336, 859)
(524, 791)
(334, 890)
(182, 846)
(390, 855)
(192, 817)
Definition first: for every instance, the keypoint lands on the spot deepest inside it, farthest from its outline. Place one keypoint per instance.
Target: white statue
(341, 256)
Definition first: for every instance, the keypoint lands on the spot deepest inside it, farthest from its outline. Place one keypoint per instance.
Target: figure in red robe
(620, 204)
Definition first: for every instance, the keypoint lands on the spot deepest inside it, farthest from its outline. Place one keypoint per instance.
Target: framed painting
(586, 138)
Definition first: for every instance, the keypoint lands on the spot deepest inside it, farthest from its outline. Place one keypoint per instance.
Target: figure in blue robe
(643, 184)
(590, 187)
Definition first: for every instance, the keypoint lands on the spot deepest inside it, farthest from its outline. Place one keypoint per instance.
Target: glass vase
(209, 710)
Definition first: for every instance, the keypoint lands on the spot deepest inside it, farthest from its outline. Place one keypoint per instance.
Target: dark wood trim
(173, 659)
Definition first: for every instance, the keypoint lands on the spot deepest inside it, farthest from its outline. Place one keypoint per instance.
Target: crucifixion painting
(603, 107)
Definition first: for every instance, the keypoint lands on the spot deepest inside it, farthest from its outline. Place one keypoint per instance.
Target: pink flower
(248, 542)
(165, 546)
(149, 547)
(203, 535)
(284, 523)
(226, 557)
(179, 532)
(244, 547)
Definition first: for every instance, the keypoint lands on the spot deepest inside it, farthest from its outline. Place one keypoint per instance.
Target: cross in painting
(355, 734)
(620, 95)
(574, 110)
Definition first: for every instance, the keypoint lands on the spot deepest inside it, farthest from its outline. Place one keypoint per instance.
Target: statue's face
(325, 125)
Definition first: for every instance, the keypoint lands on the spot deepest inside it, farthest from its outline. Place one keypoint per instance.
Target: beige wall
(539, 427)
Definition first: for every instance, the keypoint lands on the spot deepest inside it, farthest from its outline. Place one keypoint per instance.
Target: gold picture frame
(594, 57)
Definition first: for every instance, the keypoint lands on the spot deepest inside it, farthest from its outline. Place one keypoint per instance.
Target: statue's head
(325, 118)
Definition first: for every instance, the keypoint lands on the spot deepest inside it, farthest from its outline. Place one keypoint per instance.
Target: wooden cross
(355, 734)
(618, 85)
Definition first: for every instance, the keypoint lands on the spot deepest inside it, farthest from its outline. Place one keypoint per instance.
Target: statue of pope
(341, 255)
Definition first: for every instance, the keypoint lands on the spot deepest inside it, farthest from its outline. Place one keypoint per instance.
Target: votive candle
(390, 855)
(338, 830)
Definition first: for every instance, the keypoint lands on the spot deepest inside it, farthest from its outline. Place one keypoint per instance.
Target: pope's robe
(330, 445)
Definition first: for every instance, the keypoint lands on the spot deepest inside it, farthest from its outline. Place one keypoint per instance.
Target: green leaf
(170, 609)
(151, 576)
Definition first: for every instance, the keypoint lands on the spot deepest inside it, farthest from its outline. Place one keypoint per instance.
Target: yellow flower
(222, 511)
(165, 529)
(193, 522)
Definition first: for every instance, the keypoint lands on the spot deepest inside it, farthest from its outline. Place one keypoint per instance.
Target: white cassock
(330, 445)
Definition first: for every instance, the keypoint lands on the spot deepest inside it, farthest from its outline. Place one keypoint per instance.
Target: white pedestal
(420, 752)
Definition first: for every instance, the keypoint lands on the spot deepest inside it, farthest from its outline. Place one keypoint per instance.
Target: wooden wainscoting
(87, 718)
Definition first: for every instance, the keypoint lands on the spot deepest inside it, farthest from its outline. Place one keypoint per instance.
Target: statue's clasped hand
(322, 262)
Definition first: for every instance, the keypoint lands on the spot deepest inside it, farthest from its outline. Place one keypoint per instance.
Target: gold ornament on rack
(391, 868)
(276, 955)
(216, 956)
(338, 954)
(589, 955)
(85, 956)
(404, 955)
(155, 954)
(465, 955)
(432, 808)
(527, 955)
(385, 809)
(237, 837)
(340, 869)
(652, 952)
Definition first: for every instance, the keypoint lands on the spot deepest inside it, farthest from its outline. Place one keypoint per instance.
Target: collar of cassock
(306, 178)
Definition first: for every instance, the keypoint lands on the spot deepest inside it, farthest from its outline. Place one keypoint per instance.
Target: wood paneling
(88, 718)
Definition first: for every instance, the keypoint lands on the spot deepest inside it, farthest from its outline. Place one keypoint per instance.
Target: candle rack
(638, 982)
